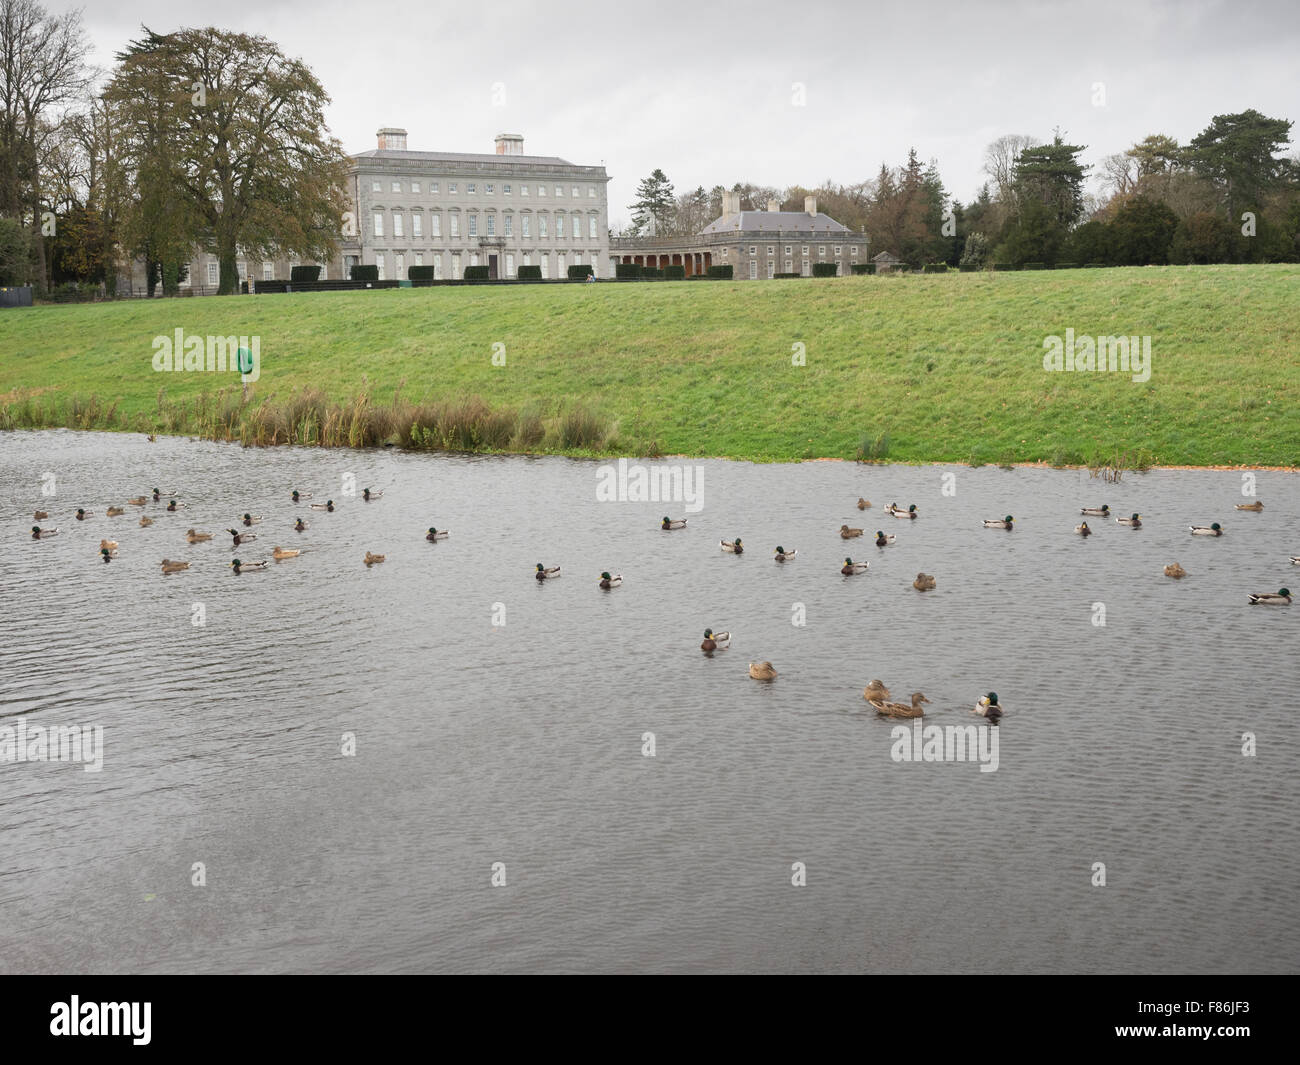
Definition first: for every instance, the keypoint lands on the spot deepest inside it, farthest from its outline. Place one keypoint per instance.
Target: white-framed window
(399, 229)
(789, 266)
(437, 266)
(559, 191)
(853, 251)
(419, 259)
(787, 249)
(470, 188)
(433, 188)
(591, 226)
(473, 225)
(591, 192)
(560, 268)
(455, 225)
(546, 265)
(505, 190)
(577, 258)
(492, 225)
(753, 250)
(377, 229)
(724, 253)
(838, 249)
(541, 226)
(806, 268)
(753, 269)
(510, 266)
(417, 225)
(771, 268)
(541, 190)
(523, 190)
(376, 186)
(771, 250)
(268, 271)
(415, 188)
(379, 262)
(575, 192)
(242, 268)
(488, 190)
(821, 251)
(527, 228)
(577, 228)
(805, 249)
(212, 273)
(451, 188)
(399, 266)
(528, 259)
(455, 268)
(510, 225)
(435, 225)
(397, 186)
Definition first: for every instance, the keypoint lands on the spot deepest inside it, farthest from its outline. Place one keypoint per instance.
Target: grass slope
(942, 367)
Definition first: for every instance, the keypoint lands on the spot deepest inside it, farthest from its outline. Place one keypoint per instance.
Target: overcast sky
(707, 91)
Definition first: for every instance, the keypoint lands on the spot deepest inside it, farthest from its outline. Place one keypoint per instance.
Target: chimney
(392, 138)
(810, 205)
(510, 144)
(773, 206)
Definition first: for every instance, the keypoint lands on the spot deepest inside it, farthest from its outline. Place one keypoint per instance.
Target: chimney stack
(392, 138)
(509, 144)
(773, 206)
(810, 205)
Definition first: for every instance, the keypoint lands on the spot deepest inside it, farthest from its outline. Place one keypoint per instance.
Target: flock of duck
(876, 694)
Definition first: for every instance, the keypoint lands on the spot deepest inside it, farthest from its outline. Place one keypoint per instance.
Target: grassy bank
(930, 368)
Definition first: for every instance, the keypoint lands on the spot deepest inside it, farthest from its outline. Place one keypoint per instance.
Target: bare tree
(1000, 160)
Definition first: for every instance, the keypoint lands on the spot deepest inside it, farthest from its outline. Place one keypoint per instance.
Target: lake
(355, 754)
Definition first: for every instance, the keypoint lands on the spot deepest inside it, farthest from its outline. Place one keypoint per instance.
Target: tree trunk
(228, 284)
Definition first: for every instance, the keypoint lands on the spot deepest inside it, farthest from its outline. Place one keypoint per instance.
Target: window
(419, 258)
(591, 192)
(546, 265)
(526, 223)
(577, 258)
(510, 225)
(212, 273)
(821, 251)
(451, 188)
(435, 225)
(523, 191)
(575, 191)
(559, 264)
(771, 250)
(505, 190)
(591, 227)
(399, 266)
(510, 266)
(470, 189)
(789, 266)
(455, 225)
(541, 190)
(455, 267)
(379, 262)
(242, 268)
(492, 225)
(753, 270)
(398, 228)
(805, 249)
(473, 225)
(415, 188)
(853, 251)
(397, 186)
(376, 186)
(559, 191)
(771, 268)
(473, 259)
(378, 229)
(528, 259)
(488, 190)
(268, 271)
(433, 188)
(417, 225)
(577, 228)
(753, 250)
(541, 226)
(724, 253)
(838, 249)
(437, 265)
(787, 249)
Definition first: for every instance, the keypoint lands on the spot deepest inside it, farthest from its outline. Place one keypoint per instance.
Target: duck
(43, 534)
(876, 692)
(899, 512)
(672, 523)
(196, 537)
(883, 540)
(324, 506)
(715, 641)
(145, 522)
(607, 582)
(1102, 511)
(1257, 505)
(1282, 597)
(107, 554)
(863, 503)
(369, 494)
(298, 496)
(281, 553)
(544, 574)
(1082, 529)
(249, 519)
(1175, 570)
(850, 567)
(434, 535)
(138, 501)
(300, 526)
(902, 709)
(40, 515)
(735, 547)
(782, 555)
(169, 566)
(110, 544)
(1295, 560)
(241, 538)
(371, 558)
(848, 534)
(157, 495)
(762, 670)
(151, 438)
(996, 523)
(251, 567)
(114, 512)
(173, 505)
(82, 515)
(924, 582)
(989, 707)
(1135, 521)
(1206, 530)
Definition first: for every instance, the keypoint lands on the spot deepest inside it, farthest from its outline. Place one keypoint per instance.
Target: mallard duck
(989, 707)
(151, 438)
(114, 512)
(107, 554)
(850, 567)
(300, 526)
(280, 553)
(1134, 521)
(157, 495)
(544, 574)
(173, 505)
(298, 496)
(241, 538)
(1206, 530)
(249, 519)
(169, 566)
(110, 544)
(995, 523)
(782, 555)
(145, 522)
(138, 501)
(1082, 529)
(883, 540)
(924, 582)
(40, 515)
(196, 537)
(1175, 570)
(1295, 560)
(715, 641)
(82, 515)
(902, 709)
(876, 692)
(735, 547)
(251, 567)
(863, 503)
(1102, 511)
(848, 534)
(607, 582)
(1257, 505)
(762, 670)
(372, 558)
(434, 535)
(672, 523)
(899, 512)
(324, 506)
(1282, 597)
(43, 534)
(369, 494)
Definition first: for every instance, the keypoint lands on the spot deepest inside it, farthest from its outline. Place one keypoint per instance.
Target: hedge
(675, 273)
(1066, 266)
(364, 273)
(934, 268)
(720, 273)
(529, 273)
(787, 275)
(863, 268)
(652, 271)
(579, 270)
(823, 270)
(304, 273)
(1093, 266)
(1005, 266)
(626, 270)
(699, 277)
(1035, 266)
(419, 273)
(477, 273)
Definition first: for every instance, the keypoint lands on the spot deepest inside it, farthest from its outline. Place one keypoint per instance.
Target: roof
(774, 222)
(886, 256)
(399, 156)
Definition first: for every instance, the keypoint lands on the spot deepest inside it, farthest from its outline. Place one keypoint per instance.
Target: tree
(1089, 243)
(235, 132)
(976, 251)
(1238, 153)
(654, 205)
(1205, 237)
(15, 252)
(1142, 232)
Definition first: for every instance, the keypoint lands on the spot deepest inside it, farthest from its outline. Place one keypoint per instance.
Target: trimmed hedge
(675, 273)
(419, 273)
(652, 271)
(1066, 266)
(1093, 266)
(477, 273)
(720, 273)
(1005, 266)
(934, 268)
(967, 268)
(1035, 266)
(787, 275)
(863, 268)
(699, 277)
(529, 273)
(579, 271)
(627, 270)
(823, 269)
(364, 273)
(304, 273)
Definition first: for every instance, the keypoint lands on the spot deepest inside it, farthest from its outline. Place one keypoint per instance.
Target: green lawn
(946, 367)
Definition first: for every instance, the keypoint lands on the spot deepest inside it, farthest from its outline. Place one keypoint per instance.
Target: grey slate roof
(397, 155)
(774, 222)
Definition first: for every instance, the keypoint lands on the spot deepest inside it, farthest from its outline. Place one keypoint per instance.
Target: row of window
(821, 251)
(268, 272)
(789, 269)
(472, 189)
(398, 260)
(490, 229)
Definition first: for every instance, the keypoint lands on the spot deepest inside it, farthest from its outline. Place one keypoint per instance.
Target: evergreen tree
(654, 201)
